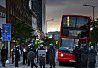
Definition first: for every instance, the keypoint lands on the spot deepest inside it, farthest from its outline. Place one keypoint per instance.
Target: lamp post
(91, 28)
(93, 9)
(47, 22)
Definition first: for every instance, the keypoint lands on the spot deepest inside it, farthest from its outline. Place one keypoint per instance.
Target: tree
(94, 33)
(48, 41)
(21, 31)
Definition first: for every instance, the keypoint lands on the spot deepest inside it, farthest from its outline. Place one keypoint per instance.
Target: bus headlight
(62, 55)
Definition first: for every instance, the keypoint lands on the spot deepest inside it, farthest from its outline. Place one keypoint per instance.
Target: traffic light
(57, 42)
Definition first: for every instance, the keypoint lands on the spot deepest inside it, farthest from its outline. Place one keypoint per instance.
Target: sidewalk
(96, 61)
(10, 62)
(10, 65)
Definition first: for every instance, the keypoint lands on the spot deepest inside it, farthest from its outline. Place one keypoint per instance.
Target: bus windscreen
(74, 26)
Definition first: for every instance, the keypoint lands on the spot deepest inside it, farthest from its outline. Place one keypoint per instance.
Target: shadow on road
(68, 64)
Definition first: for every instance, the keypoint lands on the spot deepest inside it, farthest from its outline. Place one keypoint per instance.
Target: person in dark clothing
(28, 49)
(3, 55)
(52, 56)
(13, 53)
(31, 56)
(17, 56)
(47, 56)
(84, 56)
(92, 57)
(24, 56)
(41, 57)
(77, 54)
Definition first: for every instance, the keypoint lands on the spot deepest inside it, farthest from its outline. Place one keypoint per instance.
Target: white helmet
(51, 44)
(92, 47)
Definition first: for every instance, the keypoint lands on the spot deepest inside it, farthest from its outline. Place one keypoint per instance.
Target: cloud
(59, 2)
(56, 8)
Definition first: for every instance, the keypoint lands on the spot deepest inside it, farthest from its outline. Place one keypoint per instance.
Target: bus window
(67, 42)
(81, 21)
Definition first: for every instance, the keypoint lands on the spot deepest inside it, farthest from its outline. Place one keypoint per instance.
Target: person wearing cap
(31, 56)
(13, 54)
(77, 54)
(17, 56)
(52, 55)
(47, 55)
(92, 57)
(31, 47)
(41, 57)
(24, 55)
(84, 56)
(28, 49)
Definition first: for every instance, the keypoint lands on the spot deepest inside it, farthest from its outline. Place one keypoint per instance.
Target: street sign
(6, 32)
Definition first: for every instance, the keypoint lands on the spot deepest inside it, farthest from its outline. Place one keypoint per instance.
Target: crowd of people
(30, 54)
(85, 57)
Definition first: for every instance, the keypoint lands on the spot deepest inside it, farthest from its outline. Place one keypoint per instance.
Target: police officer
(41, 57)
(13, 53)
(92, 57)
(84, 56)
(24, 56)
(17, 56)
(31, 56)
(52, 56)
(47, 55)
(77, 54)
(28, 49)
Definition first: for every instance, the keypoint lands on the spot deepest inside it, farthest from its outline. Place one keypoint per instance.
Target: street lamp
(93, 9)
(47, 22)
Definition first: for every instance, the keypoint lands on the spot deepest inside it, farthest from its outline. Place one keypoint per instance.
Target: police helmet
(92, 47)
(51, 44)
(41, 45)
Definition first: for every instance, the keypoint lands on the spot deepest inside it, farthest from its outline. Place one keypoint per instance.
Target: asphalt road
(25, 66)
(47, 65)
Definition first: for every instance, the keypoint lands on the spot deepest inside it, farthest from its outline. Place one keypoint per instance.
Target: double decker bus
(74, 30)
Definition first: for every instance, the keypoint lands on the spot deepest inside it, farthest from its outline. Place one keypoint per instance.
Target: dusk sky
(56, 8)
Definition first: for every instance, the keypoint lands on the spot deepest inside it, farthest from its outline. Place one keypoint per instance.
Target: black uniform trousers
(91, 64)
(52, 63)
(28, 62)
(24, 60)
(33, 64)
(3, 61)
(16, 62)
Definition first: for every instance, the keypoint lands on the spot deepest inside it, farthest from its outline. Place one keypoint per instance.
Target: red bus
(74, 30)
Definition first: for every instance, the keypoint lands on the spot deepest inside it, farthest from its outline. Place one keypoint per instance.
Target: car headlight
(62, 55)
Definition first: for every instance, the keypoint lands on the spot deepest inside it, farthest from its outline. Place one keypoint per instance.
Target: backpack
(52, 53)
(92, 56)
(84, 55)
(31, 55)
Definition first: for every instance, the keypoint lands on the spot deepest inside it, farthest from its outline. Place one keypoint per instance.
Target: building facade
(2, 12)
(18, 10)
(38, 6)
(2, 18)
(19, 15)
(44, 16)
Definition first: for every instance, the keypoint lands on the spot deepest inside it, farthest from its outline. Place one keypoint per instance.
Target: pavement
(10, 65)
(97, 61)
